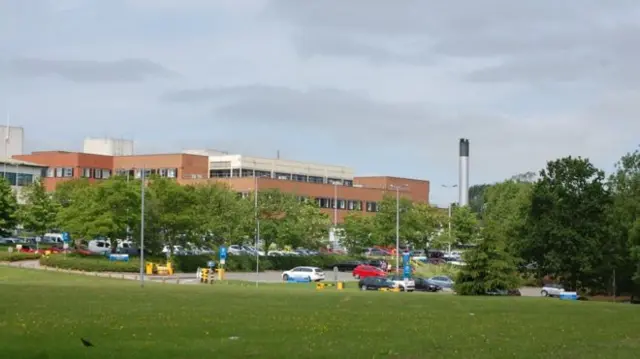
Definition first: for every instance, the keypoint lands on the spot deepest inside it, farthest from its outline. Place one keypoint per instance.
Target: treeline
(206, 215)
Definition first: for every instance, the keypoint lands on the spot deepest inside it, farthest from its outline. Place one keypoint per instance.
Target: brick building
(335, 188)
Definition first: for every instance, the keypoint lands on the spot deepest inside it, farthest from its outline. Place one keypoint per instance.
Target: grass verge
(44, 315)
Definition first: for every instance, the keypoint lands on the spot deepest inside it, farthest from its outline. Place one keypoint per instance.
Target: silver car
(552, 290)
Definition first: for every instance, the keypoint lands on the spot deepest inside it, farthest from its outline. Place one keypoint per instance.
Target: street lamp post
(397, 189)
(142, 191)
(450, 210)
(255, 205)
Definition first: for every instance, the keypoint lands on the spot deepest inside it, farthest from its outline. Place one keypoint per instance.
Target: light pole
(450, 209)
(142, 176)
(335, 207)
(397, 189)
(255, 205)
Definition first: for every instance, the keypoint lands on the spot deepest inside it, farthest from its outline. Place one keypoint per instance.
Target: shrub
(98, 264)
(244, 263)
(17, 256)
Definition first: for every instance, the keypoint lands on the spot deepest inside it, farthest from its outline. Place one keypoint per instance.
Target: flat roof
(14, 162)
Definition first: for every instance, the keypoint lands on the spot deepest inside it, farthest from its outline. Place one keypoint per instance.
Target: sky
(384, 87)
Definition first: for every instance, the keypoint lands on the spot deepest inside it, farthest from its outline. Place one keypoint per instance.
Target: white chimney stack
(463, 181)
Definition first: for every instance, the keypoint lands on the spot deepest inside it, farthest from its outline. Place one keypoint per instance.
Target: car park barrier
(149, 268)
(396, 289)
(206, 275)
(298, 280)
(338, 285)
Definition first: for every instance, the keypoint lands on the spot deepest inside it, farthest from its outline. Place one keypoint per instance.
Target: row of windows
(217, 173)
(17, 179)
(342, 204)
(97, 173)
(137, 173)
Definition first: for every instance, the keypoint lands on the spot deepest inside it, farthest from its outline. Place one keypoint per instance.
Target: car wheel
(544, 293)
(363, 288)
(285, 277)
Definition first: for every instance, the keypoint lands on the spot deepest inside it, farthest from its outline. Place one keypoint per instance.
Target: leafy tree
(567, 224)
(171, 216)
(38, 214)
(65, 191)
(106, 209)
(8, 208)
(358, 232)
(477, 197)
(312, 224)
(424, 222)
(489, 267)
(276, 212)
(385, 220)
(464, 225)
(223, 218)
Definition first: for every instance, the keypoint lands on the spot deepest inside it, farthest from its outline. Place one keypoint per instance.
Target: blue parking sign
(407, 265)
(223, 253)
(66, 237)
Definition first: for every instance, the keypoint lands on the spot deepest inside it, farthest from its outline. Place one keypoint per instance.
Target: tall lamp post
(255, 205)
(451, 186)
(397, 188)
(142, 178)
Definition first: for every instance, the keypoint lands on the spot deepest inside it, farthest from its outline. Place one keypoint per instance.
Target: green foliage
(567, 224)
(89, 264)
(464, 225)
(489, 266)
(221, 217)
(243, 263)
(358, 232)
(8, 208)
(17, 256)
(38, 214)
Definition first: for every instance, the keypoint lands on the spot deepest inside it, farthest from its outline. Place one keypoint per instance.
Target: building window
(24, 179)
(50, 172)
(10, 177)
(324, 202)
(106, 174)
(283, 176)
(235, 172)
(342, 204)
(67, 172)
(316, 179)
(172, 172)
(219, 173)
(162, 172)
(59, 171)
(299, 178)
(348, 183)
(97, 174)
(354, 205)
(372, 206)
(334, 181)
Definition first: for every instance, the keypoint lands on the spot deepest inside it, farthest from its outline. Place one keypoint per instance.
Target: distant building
(20, 174)
(12, 141)
(108, 146)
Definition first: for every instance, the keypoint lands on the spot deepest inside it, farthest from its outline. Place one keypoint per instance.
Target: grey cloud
(127, 70)
(536, 40)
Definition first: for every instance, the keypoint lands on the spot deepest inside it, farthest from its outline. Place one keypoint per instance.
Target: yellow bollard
(204, 276)
(169, 268)
(149, 268)
(340, 286)
(221, 274)
(319, 286)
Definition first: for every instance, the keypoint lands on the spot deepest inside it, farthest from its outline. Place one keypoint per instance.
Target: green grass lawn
(44, 315)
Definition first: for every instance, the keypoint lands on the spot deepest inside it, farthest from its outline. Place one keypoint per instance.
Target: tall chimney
(463, 181)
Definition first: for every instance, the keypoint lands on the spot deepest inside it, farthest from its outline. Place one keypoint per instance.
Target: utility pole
(142, 191)
(255, 205)
(397, 189)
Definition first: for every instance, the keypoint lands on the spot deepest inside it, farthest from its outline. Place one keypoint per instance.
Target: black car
(378, 263)
(347, 266)
(375, 283)
(424, 285)
(502, 292)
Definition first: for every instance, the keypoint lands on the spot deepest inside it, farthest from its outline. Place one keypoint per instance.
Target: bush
(17, 256)
(87, 264)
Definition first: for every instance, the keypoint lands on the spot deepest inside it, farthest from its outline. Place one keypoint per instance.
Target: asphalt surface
(190, 278)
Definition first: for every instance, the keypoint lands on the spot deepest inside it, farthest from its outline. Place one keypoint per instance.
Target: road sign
(223, 253)
(66, 237)
(211, 264)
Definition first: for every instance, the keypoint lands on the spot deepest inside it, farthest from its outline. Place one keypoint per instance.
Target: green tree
(277, 213)
(222, 217)
(477, 197)
(385, 220)
(38, 214)
(358, 232)
(312, 225)
(171, 216)
(464, 225)
(489, 267)
(567, 224)
(65, 191)
(8, 208)
(110, 208)
(424, 222)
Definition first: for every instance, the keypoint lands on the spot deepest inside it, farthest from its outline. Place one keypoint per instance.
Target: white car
(408, 286)
(313, 274)
(552, 290)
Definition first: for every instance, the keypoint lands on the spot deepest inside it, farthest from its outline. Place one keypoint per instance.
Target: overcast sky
(385, 87)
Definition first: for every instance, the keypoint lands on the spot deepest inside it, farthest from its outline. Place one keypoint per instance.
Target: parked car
(552, 290)
(376, 252)
(423, 285)
(503, 292)
(375, 283)
(406, 286)
(442, 281)
(348, 266)
(314, 274)
(364, 270)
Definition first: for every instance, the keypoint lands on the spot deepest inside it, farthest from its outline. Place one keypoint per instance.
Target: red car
(365, 270)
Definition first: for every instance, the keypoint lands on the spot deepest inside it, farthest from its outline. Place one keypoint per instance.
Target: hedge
(87, 264)
(17, 256)
(244, 263)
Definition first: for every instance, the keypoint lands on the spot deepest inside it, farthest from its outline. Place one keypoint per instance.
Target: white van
(52, 238)
(99, 246)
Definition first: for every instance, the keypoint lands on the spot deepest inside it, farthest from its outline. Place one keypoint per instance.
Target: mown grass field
(44, 315)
